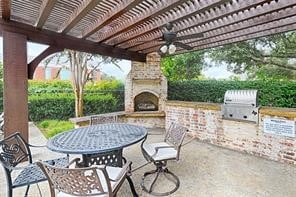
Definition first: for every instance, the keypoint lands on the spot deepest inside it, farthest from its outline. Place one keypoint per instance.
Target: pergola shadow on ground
(204, 170)
(122, 29)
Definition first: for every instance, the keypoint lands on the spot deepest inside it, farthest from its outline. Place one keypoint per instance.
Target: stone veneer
(146, 77)
(204, 120)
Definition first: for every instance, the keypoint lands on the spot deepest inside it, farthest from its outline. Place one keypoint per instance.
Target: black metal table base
(160, 170)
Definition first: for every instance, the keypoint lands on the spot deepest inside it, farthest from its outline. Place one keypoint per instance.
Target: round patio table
(99, 144)
(97, 139)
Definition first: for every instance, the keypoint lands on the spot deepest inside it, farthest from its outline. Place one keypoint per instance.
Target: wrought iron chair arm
(36, 146)
(160, 147)
(125, 169)
(15, 168)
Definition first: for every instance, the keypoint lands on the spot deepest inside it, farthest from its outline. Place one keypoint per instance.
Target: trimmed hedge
(55, 99)
(271, 93)
(58, 86)
(93, 92)
(62, 106)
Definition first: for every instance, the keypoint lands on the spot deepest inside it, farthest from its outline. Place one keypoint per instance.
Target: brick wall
(39, 73)
(54, 73)
(205, 121)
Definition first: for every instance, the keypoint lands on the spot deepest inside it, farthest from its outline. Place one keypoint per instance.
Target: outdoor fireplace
(146, 86)
(146, 101)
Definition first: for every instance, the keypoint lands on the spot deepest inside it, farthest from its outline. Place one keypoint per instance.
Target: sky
(34, 49)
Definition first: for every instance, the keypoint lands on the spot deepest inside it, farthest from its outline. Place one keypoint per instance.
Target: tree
(81, 66)
(107, 77)
(184, 66)
(1, 71)
(272, 57)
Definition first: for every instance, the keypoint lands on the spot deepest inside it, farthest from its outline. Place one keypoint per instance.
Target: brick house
(54, 72)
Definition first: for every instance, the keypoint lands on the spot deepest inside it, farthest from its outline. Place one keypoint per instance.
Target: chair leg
(130, 181)
(153, 182)
(9, 192)
(160, 170)
(27, 190)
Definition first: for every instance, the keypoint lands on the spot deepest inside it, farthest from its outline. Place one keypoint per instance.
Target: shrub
(53, 127)
(94, 104)
(59, 86)
(105, 85)
(62, 106)
(101, 88)
(51, 106)
(271, 93)
(55, 98)
(49, 86)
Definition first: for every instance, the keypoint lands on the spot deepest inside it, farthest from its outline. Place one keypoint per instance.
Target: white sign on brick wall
(279, 127)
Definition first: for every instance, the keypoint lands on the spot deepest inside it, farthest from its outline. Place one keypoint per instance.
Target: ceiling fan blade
(191, 36)
(184, 46)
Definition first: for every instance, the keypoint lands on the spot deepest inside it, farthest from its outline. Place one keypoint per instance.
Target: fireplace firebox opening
(146, 101)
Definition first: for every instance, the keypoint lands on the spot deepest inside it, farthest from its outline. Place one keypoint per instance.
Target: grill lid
(241, 97)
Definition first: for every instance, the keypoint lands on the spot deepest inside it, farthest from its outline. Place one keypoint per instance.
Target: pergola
(126, 29)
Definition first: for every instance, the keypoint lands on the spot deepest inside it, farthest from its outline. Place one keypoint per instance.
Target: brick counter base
(205, 121)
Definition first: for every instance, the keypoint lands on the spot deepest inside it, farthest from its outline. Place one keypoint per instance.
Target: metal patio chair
(160, 153)
(103, 119)
(96, 181)
(13, 151)
(1, 124)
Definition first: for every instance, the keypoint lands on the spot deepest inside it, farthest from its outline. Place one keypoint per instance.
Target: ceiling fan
(172, 40)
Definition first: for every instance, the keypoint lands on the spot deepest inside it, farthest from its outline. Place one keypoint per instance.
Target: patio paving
(204, 170)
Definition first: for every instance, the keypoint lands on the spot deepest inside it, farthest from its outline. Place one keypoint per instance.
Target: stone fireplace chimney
(146, 86)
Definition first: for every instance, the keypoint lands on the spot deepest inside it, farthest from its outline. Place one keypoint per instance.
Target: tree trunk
(78, 102)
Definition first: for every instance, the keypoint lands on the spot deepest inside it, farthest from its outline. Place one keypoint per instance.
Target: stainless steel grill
(240, 105)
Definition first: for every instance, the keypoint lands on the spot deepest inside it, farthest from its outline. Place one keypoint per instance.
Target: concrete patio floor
(204, 170)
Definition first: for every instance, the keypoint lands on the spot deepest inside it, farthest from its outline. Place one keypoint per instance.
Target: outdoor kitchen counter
(289, 113)
(195, 105)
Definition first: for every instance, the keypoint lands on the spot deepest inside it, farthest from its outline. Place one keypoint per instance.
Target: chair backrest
(175, 136)
(102, 119)
(14, 150)
(1, 121)
(77, 181)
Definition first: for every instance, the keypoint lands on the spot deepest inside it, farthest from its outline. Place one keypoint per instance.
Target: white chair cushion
(162, 154)
(113, 172)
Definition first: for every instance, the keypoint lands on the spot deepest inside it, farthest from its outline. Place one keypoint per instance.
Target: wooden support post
(15, 84)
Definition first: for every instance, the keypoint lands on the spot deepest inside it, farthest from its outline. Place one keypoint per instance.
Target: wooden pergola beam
(159, 8)
(283, 23)
(274, 27)
(263, 14)
(192, 9)
(108, 18)
(5, 9)
(68, 42)
(199, 19)
(231, 24)
(244, 38)
(81, 11)
(44, 12)
(35, 62)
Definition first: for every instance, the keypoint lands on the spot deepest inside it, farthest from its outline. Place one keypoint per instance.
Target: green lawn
(52, 127)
